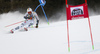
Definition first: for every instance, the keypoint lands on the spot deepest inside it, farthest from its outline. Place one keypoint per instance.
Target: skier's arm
(26, 16)
(37, 18)
(37, 23)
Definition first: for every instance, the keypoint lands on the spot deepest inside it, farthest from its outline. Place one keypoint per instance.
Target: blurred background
(52, 7)
(21, 5)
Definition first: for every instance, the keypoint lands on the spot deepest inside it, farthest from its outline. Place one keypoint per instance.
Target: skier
(29, 20)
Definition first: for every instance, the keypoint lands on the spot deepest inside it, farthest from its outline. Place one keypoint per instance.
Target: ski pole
(13, 24)
(36, 8)
(42, 3)
(45, 14)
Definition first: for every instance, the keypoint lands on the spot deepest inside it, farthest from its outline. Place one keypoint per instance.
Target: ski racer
(29, 20)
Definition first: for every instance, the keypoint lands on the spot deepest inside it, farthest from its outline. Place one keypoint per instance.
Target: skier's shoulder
(34, 13)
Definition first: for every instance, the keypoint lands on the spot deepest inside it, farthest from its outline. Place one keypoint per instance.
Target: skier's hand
(30, 18)
(25, 17)
(36, 25)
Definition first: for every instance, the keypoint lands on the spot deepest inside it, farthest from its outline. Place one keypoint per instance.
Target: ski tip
(11, 31)
(25, 29)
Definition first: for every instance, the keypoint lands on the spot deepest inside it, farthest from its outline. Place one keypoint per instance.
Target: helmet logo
(29, 10)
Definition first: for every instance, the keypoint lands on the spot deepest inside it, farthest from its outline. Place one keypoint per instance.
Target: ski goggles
(29, 12)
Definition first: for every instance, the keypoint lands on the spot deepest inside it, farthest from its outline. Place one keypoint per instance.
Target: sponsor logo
(77, 11)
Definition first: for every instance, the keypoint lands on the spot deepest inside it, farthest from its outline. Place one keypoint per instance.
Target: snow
(49, 39)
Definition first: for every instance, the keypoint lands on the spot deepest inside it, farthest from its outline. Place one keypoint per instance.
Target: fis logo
(77, 11)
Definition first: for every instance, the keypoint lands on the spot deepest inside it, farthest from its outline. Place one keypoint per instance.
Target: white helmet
(29, 10)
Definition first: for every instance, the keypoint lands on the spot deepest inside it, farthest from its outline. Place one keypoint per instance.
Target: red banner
(77, 12)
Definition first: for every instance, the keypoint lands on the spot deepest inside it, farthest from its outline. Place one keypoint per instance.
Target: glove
(25, 17)
(37, 24)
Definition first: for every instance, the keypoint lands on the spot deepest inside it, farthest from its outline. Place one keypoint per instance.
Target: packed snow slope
(49, 39)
